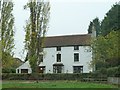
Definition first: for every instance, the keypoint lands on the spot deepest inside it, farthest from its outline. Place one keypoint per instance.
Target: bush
(109, 72)
(114, 71)
(80, 77)
(8, 70)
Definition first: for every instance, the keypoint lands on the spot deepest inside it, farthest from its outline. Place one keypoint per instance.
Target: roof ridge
(68, 35)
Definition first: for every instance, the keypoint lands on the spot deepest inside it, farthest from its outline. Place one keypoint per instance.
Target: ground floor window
(58, 68)
(41, 69)
(77, 69)
(24, 70)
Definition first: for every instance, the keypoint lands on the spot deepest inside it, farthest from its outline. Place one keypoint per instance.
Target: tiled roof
(67, 40)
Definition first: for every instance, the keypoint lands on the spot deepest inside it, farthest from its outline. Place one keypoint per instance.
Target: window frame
(77, 69)
(76, 47)
(41, 57)
(58, 48)
(58, 69)
(58, 57)
(76, 57)
(24, 70)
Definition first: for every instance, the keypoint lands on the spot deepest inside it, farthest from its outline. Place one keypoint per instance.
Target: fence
(114, 80)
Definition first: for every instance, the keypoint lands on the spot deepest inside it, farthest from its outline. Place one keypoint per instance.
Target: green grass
(53, 84)
(0, 85)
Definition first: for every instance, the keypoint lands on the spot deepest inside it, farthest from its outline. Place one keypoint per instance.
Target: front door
(41, 69)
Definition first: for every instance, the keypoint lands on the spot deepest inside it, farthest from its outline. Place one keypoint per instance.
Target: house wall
(26, 65)
(67, 58)
(49, 58)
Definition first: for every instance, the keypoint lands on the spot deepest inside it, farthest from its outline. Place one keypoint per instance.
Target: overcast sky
(67, 17)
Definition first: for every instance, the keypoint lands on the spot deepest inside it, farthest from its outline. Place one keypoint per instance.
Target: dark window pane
(76, 57)
(58, 57)
(77, 69)
(76, 47)
(24, 70)
(41, 58)
(57, 69)
(58, 48)
(18, 70)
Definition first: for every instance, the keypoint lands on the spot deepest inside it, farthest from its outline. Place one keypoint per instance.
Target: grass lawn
(53, 84)
(0, 84)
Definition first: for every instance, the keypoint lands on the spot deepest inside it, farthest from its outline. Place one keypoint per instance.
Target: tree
(106, 50)
(90, 27)
(111, 21)
(35, 29)
(7, 33)
(96, 24)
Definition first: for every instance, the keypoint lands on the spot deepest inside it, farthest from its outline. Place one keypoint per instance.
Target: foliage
(106, 50)
(8, 70)
(114, 71)
(80, 77)
(7, 33)
(35, 29)
(17, 62)
(110, 72)
(90, 27)
(96, 24)
(11, 66)
(106, 56)
(7, 60)
(112, 20)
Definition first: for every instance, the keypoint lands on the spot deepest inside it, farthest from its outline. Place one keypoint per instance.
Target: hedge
(8, 70)
(81, 77)
(110, 72)
(114, 71)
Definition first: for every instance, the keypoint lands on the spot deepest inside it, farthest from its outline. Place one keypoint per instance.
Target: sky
(67, 17)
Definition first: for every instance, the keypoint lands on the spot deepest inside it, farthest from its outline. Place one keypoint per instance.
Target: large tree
(7, 33)
(96, 24)
(35, 29)
(112, 20)
(90, 27)
(106, 50)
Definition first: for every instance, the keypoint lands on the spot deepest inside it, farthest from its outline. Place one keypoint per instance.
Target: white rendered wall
(49, 59)
(26, 65)
(67, 58)
(85, 58)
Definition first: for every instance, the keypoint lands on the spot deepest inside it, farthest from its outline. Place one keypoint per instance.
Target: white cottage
(64, 54)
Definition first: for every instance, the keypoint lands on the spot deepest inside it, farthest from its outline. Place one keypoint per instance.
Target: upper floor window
(76, 47)
(58, 48)
(76, 57)
(58, 57)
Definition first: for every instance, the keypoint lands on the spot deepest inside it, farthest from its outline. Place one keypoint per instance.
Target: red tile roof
(67, 40)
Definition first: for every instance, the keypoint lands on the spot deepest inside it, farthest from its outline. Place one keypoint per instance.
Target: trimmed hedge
(8, 70)
(114, 71)
(110, 72)
(81, 77)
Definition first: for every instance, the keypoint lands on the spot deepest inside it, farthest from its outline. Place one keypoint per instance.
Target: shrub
(80, 77)
(8, 70)
(114, 71)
